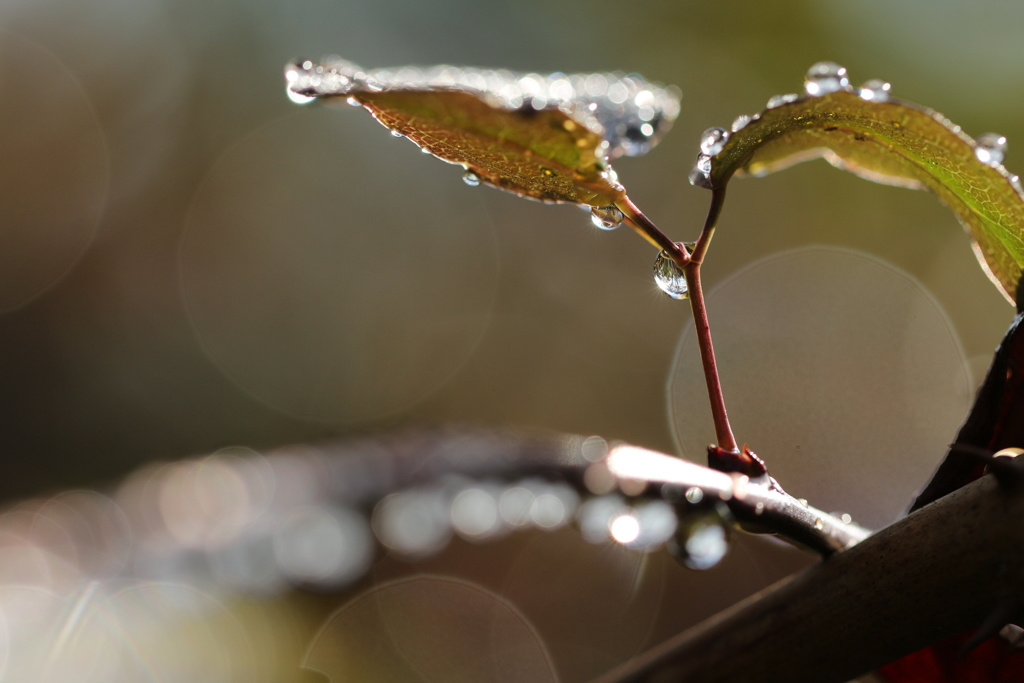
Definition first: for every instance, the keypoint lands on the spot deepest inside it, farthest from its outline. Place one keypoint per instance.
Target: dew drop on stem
(700, 545)
(471, 178)
(990, 148)
(824, 78)
(606, 217)
(670, 277)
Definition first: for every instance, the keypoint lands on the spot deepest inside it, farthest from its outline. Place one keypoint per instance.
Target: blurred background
(190, 262)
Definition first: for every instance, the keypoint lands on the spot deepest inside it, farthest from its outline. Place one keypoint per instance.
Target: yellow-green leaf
(886, 140)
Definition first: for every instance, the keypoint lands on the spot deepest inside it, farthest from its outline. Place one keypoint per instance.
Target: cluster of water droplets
(630, 113)
(824, 78)
(420, 522)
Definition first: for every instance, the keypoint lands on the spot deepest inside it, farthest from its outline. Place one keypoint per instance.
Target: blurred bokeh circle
(53, 170)
(839, 369)
(318, 295)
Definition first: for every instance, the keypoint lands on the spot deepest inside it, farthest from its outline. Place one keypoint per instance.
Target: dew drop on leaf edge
(875, 90)
(670, 277)
(471, 178)
(990, 148)
(825, 77)
(713, 140)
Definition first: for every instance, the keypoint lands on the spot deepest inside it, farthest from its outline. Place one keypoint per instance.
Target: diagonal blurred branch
(933, 574)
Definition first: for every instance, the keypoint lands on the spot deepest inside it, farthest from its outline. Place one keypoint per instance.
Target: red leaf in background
(996, 421)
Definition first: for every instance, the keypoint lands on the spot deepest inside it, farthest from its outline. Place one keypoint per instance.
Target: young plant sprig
(552, 138)
(549, 138)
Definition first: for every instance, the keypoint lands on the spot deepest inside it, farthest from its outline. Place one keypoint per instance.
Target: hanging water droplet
(670, 278)
(713, 140)
(990, 148)
(694, 495)
(779, 100)
(825, 77)
(819, 524)
(700, 176)
(471, 178)
(657, 524)
(297, 97)
(352, 102)
(701, 545)
(606, 217)
(875, 90)
(741, 122)
(595, 517)
(397, 134)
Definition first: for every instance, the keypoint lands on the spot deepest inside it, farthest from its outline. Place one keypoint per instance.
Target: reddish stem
(723, 431)
(650, 232)
(690, 263)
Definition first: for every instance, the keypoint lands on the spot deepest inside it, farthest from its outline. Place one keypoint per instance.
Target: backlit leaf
(883, 139)
(544, 137)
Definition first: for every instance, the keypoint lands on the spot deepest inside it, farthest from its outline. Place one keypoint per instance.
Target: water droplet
(397, 134)
(802, 501)
(741, 122)
(990, 148)
(625, 528)
(713, 140)
(739, 486)
(694, 495)
(700, 545)
(825, 77)
(596, 515)
(352, 102)
(471, 178)
(413, 523)
(594, 448)
(779, 100)
(700, 176)
(548, 511)
(875, 90)
(606, 217)
(819, 524)
(296, 97)
(759, 509)
(847, 518)
(474, 514)
(669, 277)
(657, 523)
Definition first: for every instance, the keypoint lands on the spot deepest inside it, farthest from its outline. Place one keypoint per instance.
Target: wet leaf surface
(543, 154)
(889, 141)
(546, 137)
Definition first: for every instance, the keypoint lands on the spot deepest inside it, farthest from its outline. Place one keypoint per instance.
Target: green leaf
(544, 137)
(885, 140)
